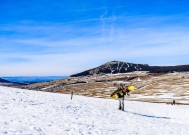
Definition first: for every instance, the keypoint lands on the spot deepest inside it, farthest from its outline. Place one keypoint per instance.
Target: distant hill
(169, 69)
(115, 67)
(33, 79)
(4, 82)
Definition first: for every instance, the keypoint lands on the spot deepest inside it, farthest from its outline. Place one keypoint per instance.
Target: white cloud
(74, 49)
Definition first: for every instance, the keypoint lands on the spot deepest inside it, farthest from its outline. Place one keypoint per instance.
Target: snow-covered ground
(24, 112)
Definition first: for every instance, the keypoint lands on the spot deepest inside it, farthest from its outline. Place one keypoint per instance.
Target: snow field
(24, 112)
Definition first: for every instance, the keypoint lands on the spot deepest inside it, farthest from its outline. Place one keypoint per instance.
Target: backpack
(124, 90)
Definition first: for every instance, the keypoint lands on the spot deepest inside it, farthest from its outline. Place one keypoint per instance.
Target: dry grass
(147, 86)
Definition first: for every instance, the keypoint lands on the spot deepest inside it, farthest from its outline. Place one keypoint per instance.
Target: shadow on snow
(149, 116)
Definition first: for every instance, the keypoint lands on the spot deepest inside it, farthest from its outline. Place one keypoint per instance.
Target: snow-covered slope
(39, 113)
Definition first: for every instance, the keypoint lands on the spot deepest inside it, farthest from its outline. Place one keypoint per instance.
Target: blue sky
(61, 37)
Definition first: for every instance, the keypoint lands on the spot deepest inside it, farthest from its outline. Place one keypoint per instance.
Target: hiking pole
(71, 95)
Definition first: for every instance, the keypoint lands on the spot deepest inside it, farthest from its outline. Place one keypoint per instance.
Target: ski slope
(24, 112)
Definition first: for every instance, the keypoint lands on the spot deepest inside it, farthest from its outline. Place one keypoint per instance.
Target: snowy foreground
(24, 112)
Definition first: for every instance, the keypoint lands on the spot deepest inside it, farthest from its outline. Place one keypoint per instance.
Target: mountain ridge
(115, 67)
(4, 82)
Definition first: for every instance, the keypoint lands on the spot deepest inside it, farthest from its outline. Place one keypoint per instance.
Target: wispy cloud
(145, 45)
(31, 47)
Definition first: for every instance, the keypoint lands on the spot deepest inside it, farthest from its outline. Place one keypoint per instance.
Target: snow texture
(24, 112)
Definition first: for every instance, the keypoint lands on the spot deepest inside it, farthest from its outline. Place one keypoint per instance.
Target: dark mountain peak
(121, 62)
(115, 62)
(114, 67)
